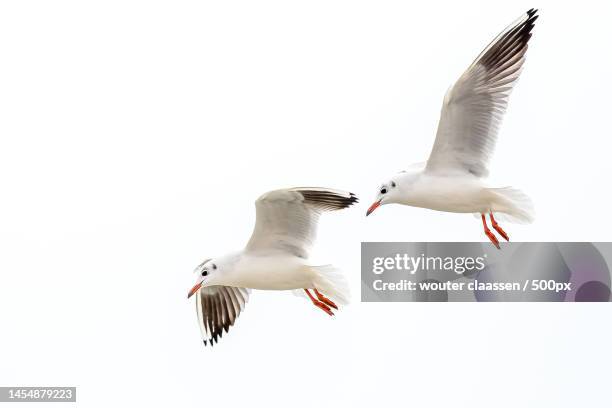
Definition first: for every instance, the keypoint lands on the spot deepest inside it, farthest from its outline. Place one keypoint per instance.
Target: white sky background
(135, 137)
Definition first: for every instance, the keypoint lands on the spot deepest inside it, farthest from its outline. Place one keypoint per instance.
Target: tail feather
(513, 205)
(331, 282)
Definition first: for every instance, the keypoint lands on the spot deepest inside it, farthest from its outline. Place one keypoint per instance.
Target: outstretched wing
(287, 219)
(218, 307)
(473, 108)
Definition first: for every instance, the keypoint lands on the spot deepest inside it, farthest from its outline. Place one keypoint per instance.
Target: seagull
(452, 179)
(275, 258)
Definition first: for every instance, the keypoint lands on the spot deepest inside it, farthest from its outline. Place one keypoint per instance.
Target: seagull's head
(205, 274)
(388, 193)
(400, 188)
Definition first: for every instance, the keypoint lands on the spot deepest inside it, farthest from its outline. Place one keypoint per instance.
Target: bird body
(459, 193)
(441, 192)
(452, 179)
(275, 258)
(272, 271)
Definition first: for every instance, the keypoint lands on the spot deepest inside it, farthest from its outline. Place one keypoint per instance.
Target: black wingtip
(511, 43)
(533, 15)
(328, 199)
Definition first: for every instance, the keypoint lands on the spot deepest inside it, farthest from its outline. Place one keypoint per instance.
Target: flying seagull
(452, 179)
(275, 258)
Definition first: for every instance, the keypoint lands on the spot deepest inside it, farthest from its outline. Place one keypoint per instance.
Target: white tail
(513, 205)
(331, 283)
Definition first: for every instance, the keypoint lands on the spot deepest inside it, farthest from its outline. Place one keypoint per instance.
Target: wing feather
(287, 219)
(473, 108)
(217, 308)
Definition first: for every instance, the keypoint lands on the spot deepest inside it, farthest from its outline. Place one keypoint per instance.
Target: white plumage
(275, 258)
(452, 178)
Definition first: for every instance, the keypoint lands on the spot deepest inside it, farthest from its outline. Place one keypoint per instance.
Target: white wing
(287, 219)
(218, 307)
(473, 108)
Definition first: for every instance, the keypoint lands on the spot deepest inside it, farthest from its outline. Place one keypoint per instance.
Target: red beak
(194, 290)
(373, 207)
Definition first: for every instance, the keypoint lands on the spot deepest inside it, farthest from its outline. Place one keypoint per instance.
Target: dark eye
(383, 191)
(204, 273)
(393, 184)
(214, 266)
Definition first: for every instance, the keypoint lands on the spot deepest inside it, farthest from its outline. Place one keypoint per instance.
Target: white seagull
(452, 179)
(275, 258)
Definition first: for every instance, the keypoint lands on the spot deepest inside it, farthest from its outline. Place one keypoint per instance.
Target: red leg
(319, 304)
(498, 228)
(325, 300)
(488, 232)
